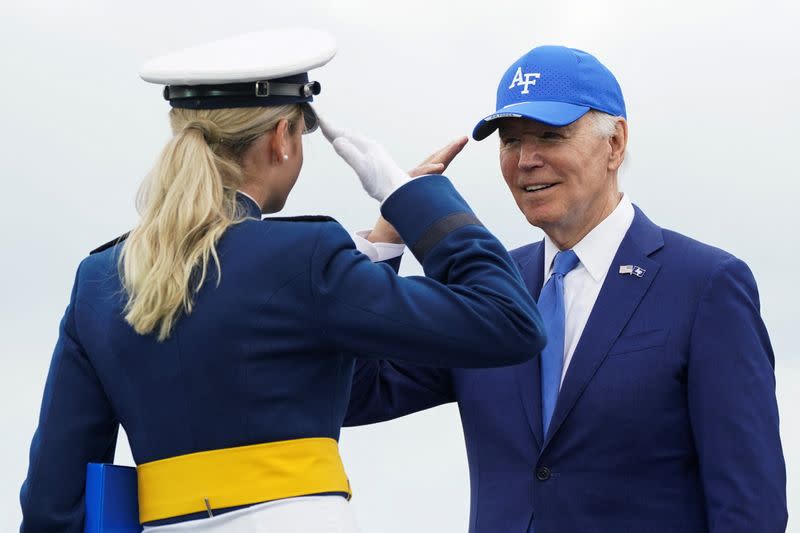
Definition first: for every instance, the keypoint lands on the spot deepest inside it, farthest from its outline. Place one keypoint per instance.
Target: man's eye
(509, 140)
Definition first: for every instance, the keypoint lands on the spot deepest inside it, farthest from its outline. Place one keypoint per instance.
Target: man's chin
(540, 218)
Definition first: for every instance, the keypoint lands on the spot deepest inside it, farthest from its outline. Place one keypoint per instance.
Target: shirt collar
(598, 248)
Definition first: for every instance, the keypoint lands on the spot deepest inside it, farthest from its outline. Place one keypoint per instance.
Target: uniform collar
(597, 249)
(249, 203)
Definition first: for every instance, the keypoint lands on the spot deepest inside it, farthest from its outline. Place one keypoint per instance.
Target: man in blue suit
(653, 407)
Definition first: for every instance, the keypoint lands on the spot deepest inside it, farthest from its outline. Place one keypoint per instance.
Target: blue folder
(112, 504)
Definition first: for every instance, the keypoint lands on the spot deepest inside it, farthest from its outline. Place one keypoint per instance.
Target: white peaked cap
(261, 55)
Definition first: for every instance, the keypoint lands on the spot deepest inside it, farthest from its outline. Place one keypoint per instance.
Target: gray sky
(711, 91)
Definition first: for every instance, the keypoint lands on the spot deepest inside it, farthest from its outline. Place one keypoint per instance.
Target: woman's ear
(279, 144)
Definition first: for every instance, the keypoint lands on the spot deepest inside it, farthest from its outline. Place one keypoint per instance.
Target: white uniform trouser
(308, 514)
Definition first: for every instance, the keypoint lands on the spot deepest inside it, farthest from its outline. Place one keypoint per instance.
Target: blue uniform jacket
(666, 420)
(267, 355)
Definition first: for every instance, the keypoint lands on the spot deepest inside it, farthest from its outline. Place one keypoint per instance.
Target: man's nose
(530, 155)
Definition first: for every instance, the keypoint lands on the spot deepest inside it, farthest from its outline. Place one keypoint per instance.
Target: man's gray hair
(605, 126)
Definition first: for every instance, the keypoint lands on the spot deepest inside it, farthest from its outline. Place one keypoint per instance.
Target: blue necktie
(551, 307)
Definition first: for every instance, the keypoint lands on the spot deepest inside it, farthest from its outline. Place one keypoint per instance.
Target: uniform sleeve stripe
(439, 230)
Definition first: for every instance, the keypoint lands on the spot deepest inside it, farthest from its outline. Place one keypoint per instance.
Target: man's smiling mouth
(535, 188)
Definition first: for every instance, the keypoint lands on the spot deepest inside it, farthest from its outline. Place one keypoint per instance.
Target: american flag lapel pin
(632, 270)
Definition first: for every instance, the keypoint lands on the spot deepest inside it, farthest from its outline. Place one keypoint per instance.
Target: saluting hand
(436, 163)
(379, 174)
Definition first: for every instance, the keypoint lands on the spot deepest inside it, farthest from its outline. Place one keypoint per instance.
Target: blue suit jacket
(266, 354)
(666, 420)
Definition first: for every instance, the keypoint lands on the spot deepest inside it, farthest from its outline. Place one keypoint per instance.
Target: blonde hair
(186, 203)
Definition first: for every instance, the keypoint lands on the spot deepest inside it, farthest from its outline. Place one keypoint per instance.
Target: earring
(285, 157)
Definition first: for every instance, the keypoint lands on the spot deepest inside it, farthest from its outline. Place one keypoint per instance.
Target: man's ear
(279, 143)
(618, 143)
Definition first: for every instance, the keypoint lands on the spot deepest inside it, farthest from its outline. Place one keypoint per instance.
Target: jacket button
(542, 473)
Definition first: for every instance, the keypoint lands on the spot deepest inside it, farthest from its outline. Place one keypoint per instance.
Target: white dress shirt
(582, 285)
(376, 251)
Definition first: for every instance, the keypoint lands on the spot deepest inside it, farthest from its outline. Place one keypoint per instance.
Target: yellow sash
(244, 475)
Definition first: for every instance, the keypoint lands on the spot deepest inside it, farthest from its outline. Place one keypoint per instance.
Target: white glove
(379, 174)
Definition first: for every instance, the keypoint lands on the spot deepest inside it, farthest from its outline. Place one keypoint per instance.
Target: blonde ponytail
(186, 204)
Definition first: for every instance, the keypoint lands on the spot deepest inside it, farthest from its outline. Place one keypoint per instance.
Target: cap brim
(552, 113)
(310, 118)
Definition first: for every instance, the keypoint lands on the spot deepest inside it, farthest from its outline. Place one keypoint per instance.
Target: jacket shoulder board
(109, 244)
(304, 218)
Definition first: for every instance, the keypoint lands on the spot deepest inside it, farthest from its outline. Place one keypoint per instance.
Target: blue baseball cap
(555, 85)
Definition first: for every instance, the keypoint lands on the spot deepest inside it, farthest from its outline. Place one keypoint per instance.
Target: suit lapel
(618, 299)
(531, 265)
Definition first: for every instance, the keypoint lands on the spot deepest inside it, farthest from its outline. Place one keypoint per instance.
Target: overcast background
(712, 95)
